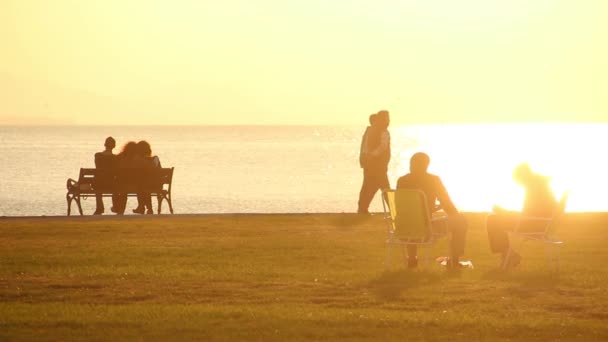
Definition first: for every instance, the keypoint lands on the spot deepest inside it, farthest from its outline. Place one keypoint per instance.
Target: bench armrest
(71, 184)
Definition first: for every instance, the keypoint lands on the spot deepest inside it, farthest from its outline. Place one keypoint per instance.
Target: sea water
(297, 169)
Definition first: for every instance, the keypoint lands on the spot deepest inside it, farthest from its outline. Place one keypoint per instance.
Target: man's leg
(122, 203)
(412, 256)
(148, 202)
(383, 182)
(368, 189)
(498, 225)
(140, 204)
(98, 204)
(457, 225)
(115, 202)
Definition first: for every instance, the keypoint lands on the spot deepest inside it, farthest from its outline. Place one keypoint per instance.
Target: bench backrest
(86, 179)
(166, 177)
(128, 179)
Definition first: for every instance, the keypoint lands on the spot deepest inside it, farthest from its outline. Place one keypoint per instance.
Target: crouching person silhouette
(539, 202)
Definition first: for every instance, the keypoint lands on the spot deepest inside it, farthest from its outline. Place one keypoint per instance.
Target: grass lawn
(286, 277)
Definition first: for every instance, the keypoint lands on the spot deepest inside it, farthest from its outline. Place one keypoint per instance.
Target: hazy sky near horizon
(302, 61)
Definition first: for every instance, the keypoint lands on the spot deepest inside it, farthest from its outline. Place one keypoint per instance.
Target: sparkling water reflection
(222, 169)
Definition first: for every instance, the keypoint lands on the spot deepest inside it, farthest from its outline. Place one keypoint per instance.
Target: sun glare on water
(476, 162)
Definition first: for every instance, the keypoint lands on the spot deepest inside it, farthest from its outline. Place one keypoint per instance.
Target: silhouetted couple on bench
(134, 167)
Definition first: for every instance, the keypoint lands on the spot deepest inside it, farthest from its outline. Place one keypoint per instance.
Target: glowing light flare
(476, 162)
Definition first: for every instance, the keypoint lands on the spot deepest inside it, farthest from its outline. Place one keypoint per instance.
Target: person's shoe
(452, 264)
(412, 262)
(514, 260)
(149, 212)
(139, 210)
(112, 209)
(98, 212)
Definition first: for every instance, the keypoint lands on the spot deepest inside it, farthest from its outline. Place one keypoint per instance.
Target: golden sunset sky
(302, 61)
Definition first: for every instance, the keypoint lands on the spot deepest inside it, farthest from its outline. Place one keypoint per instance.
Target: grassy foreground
(286, 277)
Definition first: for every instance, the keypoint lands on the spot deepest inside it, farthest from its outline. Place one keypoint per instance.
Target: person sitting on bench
(104, 160)
(143, 159)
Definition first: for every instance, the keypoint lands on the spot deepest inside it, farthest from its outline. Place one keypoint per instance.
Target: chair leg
(426, 252)
(521, 246)
(549, 256)
(511, 251)
(553, 260)
(505, 262)
(557, 251)
(387, 261)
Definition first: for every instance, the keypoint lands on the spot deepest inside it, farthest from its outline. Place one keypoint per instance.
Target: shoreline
(574, 215)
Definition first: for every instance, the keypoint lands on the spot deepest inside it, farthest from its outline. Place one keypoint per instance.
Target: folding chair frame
(545, 236)
(393, 240)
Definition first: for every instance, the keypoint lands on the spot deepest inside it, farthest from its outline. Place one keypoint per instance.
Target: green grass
(286, 277)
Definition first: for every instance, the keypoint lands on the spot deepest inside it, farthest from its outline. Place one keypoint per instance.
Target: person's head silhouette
(383, 118)
(522, 173)
(419, 163)
(129, 149)
(373, 119)
(144, 149)
(110, 143)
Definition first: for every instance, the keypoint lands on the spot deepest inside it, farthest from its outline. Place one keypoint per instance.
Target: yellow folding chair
(409, 222)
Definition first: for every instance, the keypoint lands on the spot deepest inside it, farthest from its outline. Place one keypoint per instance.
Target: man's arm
(364, 149)
(385, 140)
(444, 199)
(400, 182)
(364, 141)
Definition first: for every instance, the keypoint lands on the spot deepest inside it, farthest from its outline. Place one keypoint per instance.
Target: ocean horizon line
(395, 124)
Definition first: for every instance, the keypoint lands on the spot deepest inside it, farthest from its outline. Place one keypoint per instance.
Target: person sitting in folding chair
(539, 202)
(433, 188)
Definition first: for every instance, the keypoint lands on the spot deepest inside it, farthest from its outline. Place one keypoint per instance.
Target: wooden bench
(128, 181)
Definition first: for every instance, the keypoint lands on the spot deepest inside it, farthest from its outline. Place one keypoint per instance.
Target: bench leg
(170, 205)
(79, 206)
(160, 203)
(159, 198)
(69, 199)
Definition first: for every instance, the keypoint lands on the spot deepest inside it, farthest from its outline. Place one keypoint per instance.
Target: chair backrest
(561, 208)
(388, 202)
(409, 213)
